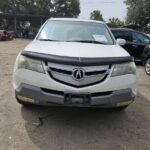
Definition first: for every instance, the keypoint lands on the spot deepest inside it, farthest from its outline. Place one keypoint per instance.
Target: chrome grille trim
(64, 74)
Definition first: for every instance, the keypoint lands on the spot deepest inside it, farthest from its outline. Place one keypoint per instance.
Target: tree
(59, 8)
(34, 7)
(52, 8)
(97, 15)
(38, 7)
(115, 22)
(66, 8)
(138, 12)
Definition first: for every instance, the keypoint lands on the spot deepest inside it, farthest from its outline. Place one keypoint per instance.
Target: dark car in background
(137, 45)
(136, 42)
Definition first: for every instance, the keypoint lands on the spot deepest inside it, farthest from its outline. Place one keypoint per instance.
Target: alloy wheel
(147, 66)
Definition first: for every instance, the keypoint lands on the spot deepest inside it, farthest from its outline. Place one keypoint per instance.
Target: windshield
(75, 31)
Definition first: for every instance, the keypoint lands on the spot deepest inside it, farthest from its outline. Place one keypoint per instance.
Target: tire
(147, 66)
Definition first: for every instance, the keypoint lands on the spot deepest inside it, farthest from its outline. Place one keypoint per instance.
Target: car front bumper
(39, 96)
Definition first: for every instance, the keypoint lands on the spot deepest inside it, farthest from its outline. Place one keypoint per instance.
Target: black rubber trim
(60, 71)
(60, 93)
(95, 72)
(78, 61)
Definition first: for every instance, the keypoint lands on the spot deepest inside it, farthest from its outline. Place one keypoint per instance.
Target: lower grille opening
(60, 93)
(101, 94)
(53, 92)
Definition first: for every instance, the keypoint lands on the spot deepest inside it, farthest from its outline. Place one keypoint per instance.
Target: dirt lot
(46, 128)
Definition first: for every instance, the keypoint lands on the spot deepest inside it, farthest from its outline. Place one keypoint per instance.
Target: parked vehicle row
(9, 35)
(137, 44)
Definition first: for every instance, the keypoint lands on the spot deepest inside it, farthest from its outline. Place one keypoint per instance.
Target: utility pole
(15, 20)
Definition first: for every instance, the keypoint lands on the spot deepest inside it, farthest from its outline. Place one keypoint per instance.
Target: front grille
(65, 74)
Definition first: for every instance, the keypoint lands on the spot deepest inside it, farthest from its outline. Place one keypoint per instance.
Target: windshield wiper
(87, 41)
(47, 40)
(81, 41)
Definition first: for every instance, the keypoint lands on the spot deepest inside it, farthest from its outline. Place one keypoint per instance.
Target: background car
(147, 66)
(146, 59)
(136, 42)
(10, 35)
(3, 35)
(6, 35)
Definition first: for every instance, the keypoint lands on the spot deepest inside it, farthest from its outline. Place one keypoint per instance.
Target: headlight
(123, 69)
(30, 64)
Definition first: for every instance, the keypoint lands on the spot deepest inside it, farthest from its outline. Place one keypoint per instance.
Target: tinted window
(123, 35)
(128, 36)
(118, 34)
(140, 38)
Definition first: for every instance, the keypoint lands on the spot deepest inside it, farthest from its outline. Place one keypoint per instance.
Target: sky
(109, 8)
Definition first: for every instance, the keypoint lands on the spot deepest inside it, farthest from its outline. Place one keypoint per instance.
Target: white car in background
(74, 62)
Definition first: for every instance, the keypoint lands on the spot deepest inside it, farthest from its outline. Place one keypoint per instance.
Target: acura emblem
(78, 74)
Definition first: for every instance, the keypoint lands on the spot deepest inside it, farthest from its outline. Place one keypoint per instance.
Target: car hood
(75, 49)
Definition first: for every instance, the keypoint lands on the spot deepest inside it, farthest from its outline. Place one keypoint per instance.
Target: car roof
(75, 19)
(123, 29)
(127, 29)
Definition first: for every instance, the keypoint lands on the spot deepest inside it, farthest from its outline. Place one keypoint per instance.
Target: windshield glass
(75, 31)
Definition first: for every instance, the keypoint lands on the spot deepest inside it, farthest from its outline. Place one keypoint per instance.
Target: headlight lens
(30, 64)
(123, 69)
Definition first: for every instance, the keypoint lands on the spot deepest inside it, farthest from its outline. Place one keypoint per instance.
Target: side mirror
(121, 42)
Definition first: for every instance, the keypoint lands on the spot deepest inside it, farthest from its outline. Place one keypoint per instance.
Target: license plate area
(77, 99)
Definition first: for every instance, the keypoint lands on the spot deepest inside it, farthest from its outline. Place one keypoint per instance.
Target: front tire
(147, 67)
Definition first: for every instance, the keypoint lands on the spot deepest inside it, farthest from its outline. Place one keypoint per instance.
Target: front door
(139, 42)
(127, 35)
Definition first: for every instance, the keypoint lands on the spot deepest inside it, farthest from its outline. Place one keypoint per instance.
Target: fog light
(25, 99)
(124, 103)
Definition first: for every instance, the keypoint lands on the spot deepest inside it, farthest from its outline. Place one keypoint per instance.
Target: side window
(139, 38)
(128, 36)
(118, 34)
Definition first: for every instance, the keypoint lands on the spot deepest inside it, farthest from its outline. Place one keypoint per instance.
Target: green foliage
(138, 12)
(66, 8)
(59, 8)
(115, 22)
(97, 15)
(51, 8)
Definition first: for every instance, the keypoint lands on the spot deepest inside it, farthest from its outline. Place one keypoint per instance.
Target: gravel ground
(49, 128)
